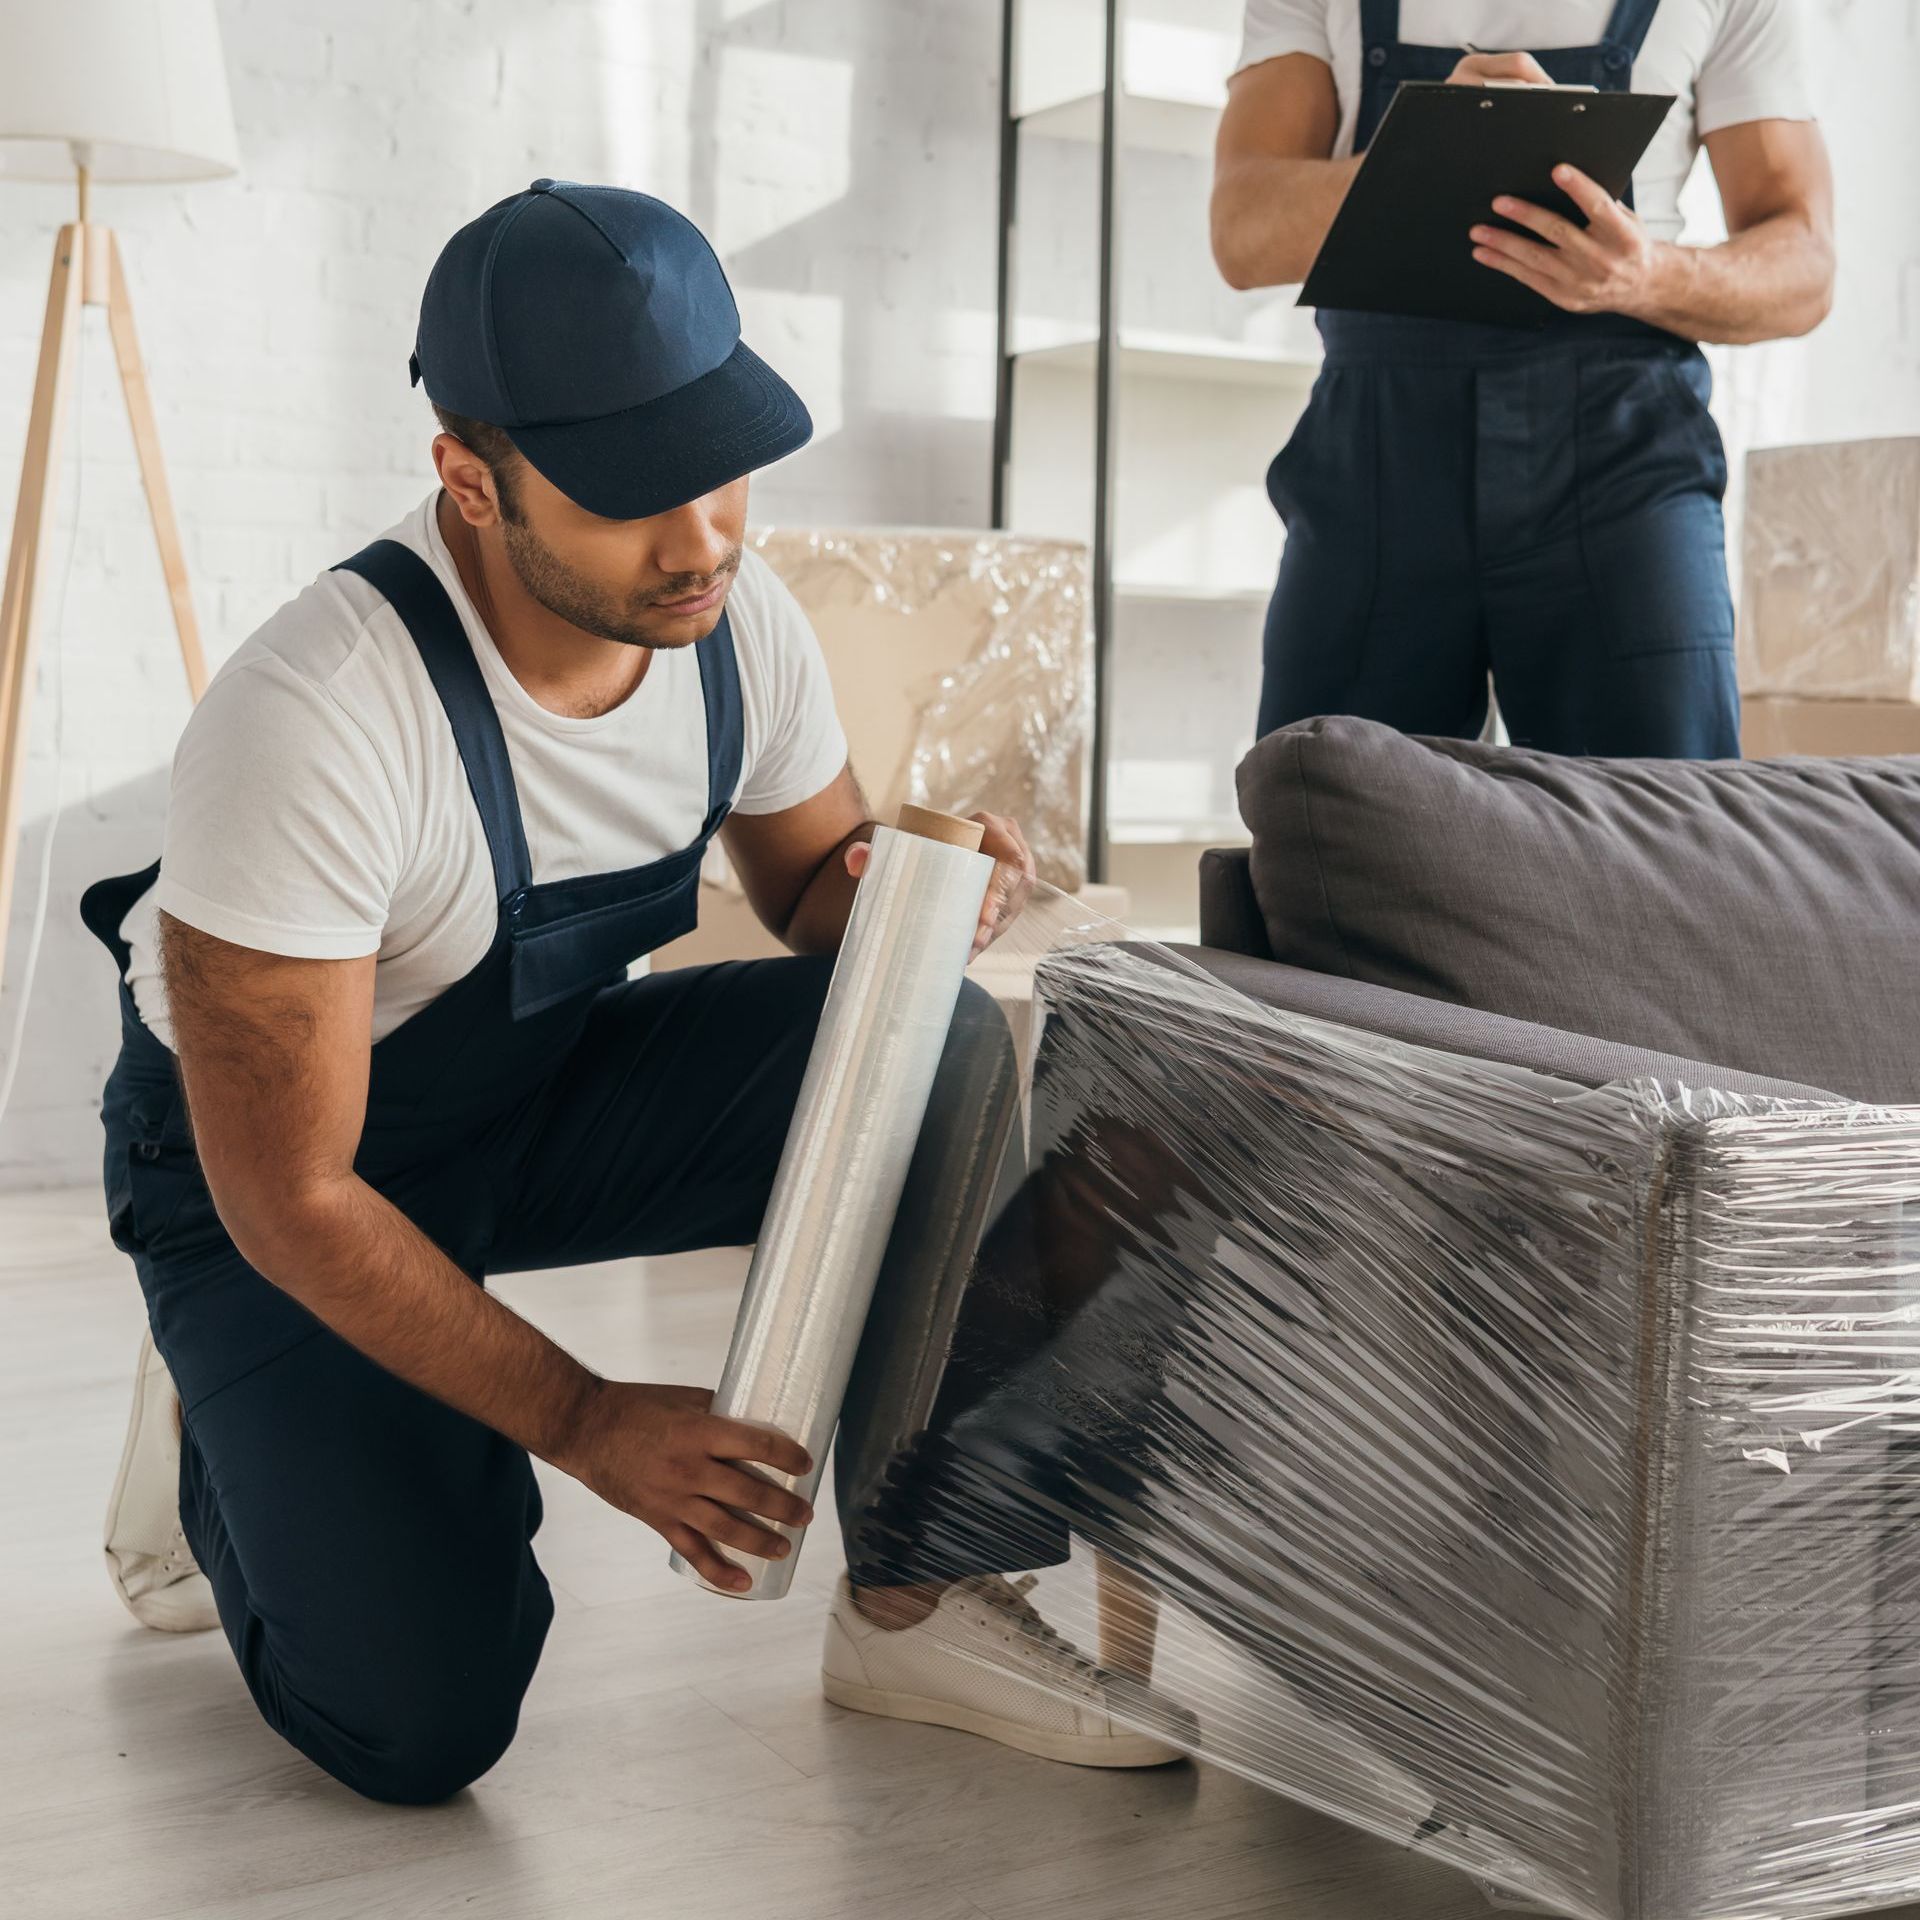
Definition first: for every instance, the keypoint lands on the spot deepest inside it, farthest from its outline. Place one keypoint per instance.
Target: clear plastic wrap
(1524, 1472)
(980, 696)
(1830, 571)
(883, 1034)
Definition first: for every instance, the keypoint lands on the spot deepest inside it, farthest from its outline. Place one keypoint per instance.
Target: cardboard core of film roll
(931, 824)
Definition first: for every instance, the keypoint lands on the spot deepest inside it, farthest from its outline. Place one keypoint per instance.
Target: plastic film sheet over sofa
(1527, 1473)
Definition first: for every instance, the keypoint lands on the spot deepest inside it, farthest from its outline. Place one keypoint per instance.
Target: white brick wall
(841, 153)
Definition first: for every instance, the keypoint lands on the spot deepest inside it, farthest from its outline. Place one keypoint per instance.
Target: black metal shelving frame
(1106, 389)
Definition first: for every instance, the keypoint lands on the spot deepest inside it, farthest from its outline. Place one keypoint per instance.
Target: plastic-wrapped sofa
(1486, 1321)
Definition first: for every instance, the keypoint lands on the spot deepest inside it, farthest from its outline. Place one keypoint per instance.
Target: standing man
(379, 1041)
(1544, 505)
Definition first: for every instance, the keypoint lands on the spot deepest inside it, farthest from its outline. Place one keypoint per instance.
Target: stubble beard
(633, 622)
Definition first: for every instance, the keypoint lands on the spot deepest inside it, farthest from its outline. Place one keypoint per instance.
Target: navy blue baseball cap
(595, 328)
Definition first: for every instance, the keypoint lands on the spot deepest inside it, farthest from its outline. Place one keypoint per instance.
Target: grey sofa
(1495, 1316)
(1477, 1292)
(1599, 1175)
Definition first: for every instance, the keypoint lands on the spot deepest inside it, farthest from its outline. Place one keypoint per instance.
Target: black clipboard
(1399, 242)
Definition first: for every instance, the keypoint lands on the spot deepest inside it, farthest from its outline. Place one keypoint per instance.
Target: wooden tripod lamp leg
(153, 472)
(26, 557)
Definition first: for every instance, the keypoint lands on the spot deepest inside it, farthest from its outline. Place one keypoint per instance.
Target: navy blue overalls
(1544, 504)
(370, 1548)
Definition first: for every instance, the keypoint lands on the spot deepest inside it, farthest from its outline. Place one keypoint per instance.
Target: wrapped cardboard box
(1830, 572)
(1771, 727)
(962, 667)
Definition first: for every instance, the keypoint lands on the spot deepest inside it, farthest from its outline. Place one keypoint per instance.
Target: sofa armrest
(1229, 914)
(1447, 1027)
(1481, 1412)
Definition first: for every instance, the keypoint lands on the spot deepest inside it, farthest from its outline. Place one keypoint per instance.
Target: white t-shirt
(319, 807)
(1724, 61)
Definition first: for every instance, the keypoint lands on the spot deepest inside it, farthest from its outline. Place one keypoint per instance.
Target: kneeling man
(379, 1042)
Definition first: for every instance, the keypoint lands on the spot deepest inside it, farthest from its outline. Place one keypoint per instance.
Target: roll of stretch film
(854, 1129)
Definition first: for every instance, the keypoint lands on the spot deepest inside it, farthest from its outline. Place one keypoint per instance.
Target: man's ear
(468, 481)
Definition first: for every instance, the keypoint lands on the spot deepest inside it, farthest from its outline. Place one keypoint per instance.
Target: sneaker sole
(185, 1607)
(135, 1421)
(1075, 1749)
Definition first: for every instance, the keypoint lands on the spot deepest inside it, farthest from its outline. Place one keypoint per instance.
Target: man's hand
(1612, 265)
(1478, 69)
(1606, 267)
(1013, 879)
(661, 1454)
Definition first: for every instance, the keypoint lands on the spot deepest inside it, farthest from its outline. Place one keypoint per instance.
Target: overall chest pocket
(591, 941)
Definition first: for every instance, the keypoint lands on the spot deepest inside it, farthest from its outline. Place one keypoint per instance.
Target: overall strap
(720, 689)
(426, 609)
(1379, 24)
(1627, 27)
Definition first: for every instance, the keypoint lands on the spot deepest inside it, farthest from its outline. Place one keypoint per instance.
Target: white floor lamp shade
(138, 86)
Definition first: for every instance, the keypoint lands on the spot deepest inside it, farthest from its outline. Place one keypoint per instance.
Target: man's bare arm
(792, 863)
(1773, 276)
(275, 1056)
(1275, 189)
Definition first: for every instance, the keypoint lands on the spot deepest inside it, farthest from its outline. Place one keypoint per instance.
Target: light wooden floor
(675, 1758)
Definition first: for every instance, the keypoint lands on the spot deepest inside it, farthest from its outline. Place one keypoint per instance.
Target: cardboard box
(1830, 571)
(962, 666)
(1771, 727)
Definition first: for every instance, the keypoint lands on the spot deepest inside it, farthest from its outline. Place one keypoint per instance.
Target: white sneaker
(985, 1662)
(148, 1559)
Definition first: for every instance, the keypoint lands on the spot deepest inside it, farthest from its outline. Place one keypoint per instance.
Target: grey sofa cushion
(1761, 914)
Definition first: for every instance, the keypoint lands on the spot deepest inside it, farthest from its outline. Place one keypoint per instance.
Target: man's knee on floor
(418, 1715)
(427, 1753)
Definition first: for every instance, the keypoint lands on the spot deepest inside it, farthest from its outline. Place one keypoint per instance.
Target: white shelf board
(1191, 506)
(1193, 593)
(1167, 356)
(1151, 122)
(1200, 830)
(1171, 49)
